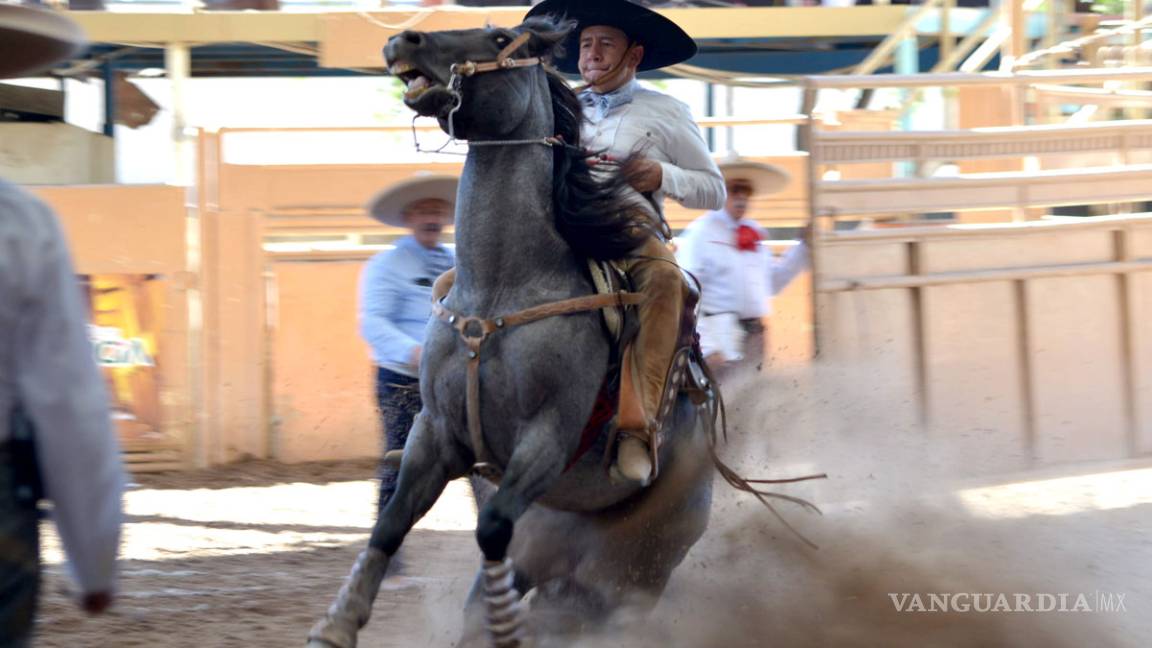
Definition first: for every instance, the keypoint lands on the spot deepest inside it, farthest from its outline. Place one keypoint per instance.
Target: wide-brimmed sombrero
(764, 178)
(665, 43)
(388, 205)
(32, 40)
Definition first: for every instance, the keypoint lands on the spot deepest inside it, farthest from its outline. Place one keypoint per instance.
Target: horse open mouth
(424, 93)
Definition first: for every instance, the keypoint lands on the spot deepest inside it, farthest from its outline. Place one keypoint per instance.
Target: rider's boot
(657, 276)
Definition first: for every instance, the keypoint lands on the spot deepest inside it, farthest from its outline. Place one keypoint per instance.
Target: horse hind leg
(428, 465)
(534, 466)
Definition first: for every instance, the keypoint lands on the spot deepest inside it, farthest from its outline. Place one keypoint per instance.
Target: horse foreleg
(534, 466)
(427, 467)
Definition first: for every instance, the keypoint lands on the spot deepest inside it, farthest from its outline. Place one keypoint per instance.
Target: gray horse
(529, 212)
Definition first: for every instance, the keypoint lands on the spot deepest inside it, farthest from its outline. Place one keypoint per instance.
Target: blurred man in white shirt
(56, 436)
(738, 273)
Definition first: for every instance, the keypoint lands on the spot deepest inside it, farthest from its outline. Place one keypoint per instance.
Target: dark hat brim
(665, 43)
(33, 40)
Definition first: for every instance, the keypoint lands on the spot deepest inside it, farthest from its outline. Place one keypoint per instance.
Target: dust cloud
(907, 511)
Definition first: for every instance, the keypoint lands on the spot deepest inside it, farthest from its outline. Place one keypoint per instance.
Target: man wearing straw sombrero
(738, 274)
(56, 437)
(654, 136)
(396, 302)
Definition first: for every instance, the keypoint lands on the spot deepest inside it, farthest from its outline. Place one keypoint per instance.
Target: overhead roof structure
(755, 41)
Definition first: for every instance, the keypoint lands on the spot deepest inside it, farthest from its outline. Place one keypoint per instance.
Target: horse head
(481, 79)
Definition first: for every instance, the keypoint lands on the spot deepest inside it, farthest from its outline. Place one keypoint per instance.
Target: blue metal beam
(108, 72)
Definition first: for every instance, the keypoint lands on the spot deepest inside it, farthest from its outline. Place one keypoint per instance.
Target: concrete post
(178, 62)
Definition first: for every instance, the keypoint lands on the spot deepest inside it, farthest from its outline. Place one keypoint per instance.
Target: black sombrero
(665, 43)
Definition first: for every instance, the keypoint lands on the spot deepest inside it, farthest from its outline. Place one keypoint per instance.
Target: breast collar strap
(474, 331)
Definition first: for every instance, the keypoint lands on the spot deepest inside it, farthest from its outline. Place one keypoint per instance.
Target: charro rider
(667, 156)
(663, 154)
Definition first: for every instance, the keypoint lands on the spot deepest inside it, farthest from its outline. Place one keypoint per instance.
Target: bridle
(460, 71)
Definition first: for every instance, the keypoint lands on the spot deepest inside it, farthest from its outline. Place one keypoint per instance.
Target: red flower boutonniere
(747, 239)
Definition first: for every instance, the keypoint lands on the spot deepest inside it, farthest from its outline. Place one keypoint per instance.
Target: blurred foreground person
(396, 303)
(738, 274)
(56, 437)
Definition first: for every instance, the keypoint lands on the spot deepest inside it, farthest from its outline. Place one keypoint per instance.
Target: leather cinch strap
(474, 331)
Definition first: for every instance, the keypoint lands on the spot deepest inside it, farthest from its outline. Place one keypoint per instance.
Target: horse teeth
(401, 67)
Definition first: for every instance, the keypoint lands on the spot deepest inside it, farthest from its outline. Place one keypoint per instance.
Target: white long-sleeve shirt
(47, 364)
(635, 119)
(735, 281)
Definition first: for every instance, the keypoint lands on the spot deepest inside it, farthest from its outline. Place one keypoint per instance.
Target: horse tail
(716, 425)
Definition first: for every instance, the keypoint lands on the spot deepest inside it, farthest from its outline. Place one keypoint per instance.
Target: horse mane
(594, 212)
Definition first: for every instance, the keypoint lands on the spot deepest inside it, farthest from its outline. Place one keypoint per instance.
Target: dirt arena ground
(250, 555)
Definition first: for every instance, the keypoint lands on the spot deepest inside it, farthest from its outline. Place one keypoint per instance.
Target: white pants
(722, 334)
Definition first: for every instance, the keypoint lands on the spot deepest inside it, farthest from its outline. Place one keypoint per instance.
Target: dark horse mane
(593, 211)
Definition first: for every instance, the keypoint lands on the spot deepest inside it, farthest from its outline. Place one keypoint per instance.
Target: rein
(474, 331)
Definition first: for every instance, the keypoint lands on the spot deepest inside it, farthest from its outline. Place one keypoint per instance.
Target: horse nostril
(413, 38)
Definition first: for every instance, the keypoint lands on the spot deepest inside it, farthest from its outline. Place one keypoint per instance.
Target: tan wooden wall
(232, 352)
(1034, 335)
(322, 378)
(142, 230)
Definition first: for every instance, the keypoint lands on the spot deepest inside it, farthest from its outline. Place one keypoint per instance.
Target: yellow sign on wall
(125, 312)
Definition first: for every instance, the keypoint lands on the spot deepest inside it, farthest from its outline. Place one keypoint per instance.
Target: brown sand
(250, 555)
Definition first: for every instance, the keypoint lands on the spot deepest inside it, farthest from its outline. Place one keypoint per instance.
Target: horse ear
(547, 35)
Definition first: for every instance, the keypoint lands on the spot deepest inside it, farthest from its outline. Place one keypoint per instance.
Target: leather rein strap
(474, 331)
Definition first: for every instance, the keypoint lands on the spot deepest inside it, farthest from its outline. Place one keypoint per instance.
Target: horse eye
(502, 40)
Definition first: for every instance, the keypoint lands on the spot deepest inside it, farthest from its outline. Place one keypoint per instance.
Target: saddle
(619, 400)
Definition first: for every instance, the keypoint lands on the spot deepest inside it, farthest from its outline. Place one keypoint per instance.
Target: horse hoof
(353, 605)
(325, 635)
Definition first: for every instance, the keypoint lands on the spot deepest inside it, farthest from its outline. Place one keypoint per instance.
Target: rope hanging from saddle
(717, 424)
(474, 331)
